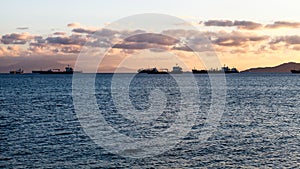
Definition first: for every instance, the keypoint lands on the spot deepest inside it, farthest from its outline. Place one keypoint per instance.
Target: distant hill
(110, 69)
(283, 68)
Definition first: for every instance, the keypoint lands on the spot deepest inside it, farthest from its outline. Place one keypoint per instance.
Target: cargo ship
(142, 70)
(224, 69)
(176, 70)
(153, 71)
(196, 71)
(68, 70)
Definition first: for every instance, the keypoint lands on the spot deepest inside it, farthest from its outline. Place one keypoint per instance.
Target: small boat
(295, 71)
(19, 71)
(68, 70)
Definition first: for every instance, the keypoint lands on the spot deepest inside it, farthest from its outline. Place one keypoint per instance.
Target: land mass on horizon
(282, 68)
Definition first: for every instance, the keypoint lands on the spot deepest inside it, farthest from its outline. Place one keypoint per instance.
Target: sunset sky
(47, 34)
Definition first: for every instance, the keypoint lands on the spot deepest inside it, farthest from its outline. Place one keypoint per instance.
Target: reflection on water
(260, 125)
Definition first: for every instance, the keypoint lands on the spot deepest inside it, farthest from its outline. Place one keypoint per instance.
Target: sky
(44, 34)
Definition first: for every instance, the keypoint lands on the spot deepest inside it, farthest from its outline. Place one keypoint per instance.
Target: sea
(257, 123)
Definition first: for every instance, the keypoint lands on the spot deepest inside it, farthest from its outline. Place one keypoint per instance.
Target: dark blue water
(260, 126)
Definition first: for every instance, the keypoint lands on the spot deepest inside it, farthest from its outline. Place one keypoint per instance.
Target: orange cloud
(17, 38)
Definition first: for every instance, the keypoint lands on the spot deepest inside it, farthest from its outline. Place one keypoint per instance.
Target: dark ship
(196, 71)
(68, 70)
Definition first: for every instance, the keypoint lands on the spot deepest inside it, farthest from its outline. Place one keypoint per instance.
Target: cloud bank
(250, 25)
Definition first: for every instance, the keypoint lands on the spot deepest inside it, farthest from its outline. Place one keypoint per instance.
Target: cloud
(84, 30)
(221, 41)
(236, 38)
(71, 40)
(59, 33)
(22, 28)
(183, 48)
(249, 25)
(3, 51)
(36, 44)
(221, 38)
(151, 41)
(100, 33)
(152, 38)
(107, 37)
(14, 48)
(70, 49)
(36, 49)
(74, 25)
(134, 46)
(182, 33)
(16, 38)
(39, 41)
(283, 24)
(218, 23)
(99, 38)
(296, 48)
(290, 40)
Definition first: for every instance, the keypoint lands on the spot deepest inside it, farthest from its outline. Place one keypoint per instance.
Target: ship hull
(199, 71)
(226, 72)
(158, 73)
(176, 72)
(205, 72)
(14, 72)
(152, 71)
(56, 73)
(231, 72)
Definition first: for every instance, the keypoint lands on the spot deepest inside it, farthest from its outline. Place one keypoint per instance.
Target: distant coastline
(282, 68)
